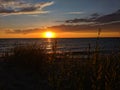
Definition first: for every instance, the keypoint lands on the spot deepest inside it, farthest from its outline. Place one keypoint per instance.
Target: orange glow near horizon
(58, 34)
(49, 34)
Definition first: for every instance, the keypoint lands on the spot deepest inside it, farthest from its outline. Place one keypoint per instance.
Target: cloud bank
(97, 19)
(17, 7)
(113, 27)
(108, 23)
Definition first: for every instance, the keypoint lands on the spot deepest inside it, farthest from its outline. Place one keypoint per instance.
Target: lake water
(74, 45)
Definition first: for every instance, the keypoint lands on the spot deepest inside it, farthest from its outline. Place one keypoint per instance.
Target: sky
(66, 18)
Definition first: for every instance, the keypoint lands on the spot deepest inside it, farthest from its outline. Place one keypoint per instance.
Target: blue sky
(24, 14)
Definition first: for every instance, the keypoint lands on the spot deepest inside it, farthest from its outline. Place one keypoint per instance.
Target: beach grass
(32, 67)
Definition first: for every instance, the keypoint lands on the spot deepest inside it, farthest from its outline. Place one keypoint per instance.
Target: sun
(49, 34)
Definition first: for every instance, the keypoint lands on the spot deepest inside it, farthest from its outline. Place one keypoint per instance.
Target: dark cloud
(109, 18)
(15, 7)
(95, 15)
(86, 28)
(71, 28)
(2, 10)
(96, 18)
(79, 20)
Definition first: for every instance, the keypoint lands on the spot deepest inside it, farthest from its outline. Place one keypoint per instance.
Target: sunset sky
(66, 18)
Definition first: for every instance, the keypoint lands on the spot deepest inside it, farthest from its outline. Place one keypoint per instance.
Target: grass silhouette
(31, 67)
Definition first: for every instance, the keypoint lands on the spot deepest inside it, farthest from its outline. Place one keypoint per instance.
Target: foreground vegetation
(32, 68)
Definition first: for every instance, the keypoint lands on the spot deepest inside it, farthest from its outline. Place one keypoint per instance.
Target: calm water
(78, 44)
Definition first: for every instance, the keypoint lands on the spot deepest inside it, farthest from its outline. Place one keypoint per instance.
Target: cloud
(109, 18)
(88, 28)
(108, 23)
(97, 19)
(16, 7)
(23, 31)
(75, 13)
(111, 27)
(79, 20)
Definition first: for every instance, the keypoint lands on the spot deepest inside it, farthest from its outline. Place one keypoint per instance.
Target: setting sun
(49, 34)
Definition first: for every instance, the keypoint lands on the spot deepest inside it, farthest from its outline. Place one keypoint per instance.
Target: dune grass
(56, 71)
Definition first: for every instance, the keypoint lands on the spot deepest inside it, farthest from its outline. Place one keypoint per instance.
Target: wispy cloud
(23, 31)
(17, 7)
(75, 13)
(79, 20)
